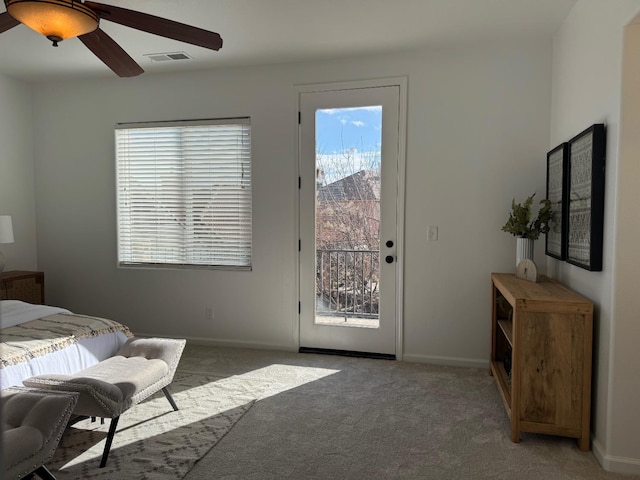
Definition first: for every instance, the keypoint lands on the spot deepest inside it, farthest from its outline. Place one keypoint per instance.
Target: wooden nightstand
(22, 285)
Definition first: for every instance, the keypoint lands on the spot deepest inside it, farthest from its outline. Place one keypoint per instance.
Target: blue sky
(344, 129)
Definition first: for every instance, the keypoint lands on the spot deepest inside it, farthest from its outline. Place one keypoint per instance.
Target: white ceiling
(257, 32)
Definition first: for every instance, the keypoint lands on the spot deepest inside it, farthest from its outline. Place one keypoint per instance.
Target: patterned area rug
(154, 442)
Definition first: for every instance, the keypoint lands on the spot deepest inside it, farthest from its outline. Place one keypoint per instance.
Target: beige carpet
(153, 441)
(362, 419)
(324, 418)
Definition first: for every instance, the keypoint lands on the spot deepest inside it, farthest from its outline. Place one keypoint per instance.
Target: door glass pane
(347, 213)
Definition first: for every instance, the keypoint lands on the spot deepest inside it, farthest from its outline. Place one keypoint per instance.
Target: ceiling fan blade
(7, 22)
(157, 26)
(112, 54)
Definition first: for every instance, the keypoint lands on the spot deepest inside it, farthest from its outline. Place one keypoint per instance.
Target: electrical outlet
(432, 233)
(208, 312)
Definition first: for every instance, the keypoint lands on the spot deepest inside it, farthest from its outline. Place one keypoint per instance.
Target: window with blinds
(184, 194)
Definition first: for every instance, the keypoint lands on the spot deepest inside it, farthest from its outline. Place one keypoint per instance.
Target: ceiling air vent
(163, 57)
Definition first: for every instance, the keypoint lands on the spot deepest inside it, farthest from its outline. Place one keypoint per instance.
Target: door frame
(401, 83)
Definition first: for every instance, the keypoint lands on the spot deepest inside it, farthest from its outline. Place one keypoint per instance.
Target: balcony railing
(347, 283)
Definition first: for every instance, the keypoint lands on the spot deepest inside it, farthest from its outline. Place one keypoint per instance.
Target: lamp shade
(55, 19)
(6, 229)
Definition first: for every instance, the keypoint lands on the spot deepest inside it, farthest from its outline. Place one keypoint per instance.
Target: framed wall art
(557, 194)
(585, 220)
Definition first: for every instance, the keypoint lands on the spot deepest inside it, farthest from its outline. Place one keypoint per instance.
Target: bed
(41, 339)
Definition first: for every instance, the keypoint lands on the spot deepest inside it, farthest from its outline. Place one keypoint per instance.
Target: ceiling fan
(61, 19)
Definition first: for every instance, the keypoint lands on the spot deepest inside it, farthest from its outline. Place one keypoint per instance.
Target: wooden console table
(541, 347)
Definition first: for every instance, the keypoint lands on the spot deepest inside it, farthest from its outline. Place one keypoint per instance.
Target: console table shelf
(541, 347)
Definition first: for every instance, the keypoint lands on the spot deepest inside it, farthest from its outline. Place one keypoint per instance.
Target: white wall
(478, 131)
(17, 196)
(625, 391)
(587, 66)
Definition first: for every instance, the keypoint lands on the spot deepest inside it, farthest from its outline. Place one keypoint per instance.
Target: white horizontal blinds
(184, 193)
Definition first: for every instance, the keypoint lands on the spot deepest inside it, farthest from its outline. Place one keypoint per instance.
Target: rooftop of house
(361, 186)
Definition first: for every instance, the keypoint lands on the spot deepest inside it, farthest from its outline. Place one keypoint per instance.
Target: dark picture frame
(585, 218)
(558, 195)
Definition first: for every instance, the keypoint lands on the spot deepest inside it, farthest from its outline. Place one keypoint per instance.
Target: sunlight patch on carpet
(154, 442)
(279, 378)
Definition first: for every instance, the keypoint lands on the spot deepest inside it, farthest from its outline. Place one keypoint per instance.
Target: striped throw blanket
(50, 334)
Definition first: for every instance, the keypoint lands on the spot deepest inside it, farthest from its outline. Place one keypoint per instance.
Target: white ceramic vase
(524, 249)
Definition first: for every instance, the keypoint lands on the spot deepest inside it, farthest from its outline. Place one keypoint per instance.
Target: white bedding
(77, 356)
(15, 312)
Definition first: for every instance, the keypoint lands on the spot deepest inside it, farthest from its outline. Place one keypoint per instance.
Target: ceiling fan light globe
(60, 19)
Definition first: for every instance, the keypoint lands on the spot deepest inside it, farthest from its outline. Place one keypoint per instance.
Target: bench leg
(44, 473)
(107, 447)
(114, 425)
(170, 398)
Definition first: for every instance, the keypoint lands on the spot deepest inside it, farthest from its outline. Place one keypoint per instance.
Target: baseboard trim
(221, 342)
(406, 357)
(614, 464)
(446, 361)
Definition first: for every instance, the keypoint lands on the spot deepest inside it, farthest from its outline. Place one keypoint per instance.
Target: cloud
(333, 111)
(358, 123)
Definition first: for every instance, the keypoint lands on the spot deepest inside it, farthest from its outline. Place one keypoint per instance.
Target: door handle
(389, 243)
(389, 259)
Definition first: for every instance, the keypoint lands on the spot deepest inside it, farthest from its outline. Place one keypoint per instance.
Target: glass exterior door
(348, 166)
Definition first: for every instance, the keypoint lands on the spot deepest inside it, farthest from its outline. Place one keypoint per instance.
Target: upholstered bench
(32, 424)
(141, 367)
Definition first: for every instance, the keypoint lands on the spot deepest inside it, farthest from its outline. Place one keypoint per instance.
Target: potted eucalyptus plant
(525, 227)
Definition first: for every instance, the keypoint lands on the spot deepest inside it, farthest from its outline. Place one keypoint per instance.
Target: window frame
(244, 163)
